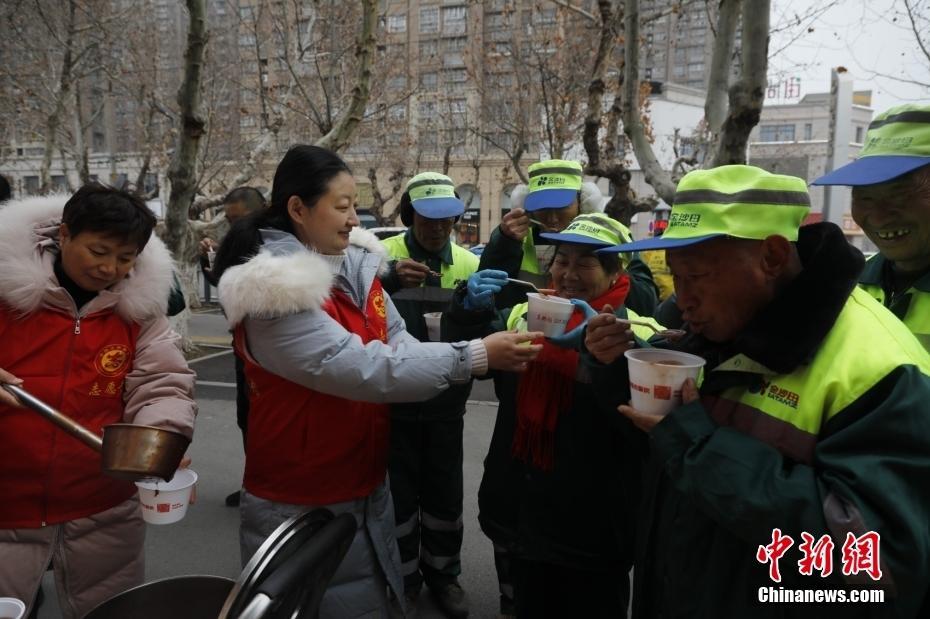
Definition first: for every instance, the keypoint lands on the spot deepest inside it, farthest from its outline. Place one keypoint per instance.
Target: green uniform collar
(419, 254)
(877, 272)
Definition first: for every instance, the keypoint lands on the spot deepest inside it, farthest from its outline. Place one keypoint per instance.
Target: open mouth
(893, 235)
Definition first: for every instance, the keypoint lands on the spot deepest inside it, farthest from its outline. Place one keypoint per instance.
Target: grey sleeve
(397, 328)
(313, 350)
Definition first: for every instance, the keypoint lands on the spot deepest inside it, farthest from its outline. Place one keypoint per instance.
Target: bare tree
(912, 18)
(183, 170)
(50, 47)
(745, 97)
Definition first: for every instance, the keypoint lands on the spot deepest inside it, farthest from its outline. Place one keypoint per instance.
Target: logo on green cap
(739, 201)
(430, 185)
(555, 174)
(901, 131)
(599, 227)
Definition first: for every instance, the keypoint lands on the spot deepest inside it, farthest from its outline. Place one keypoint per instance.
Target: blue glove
(482, 286)
(573, 338)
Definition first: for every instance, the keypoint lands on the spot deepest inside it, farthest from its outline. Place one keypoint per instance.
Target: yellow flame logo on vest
(112, 360)
(377, 301)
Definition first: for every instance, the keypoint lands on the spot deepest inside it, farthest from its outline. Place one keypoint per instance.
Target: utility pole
(836, 199)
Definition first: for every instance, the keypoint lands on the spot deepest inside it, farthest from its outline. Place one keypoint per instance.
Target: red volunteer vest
(309, 448)
(47, 476)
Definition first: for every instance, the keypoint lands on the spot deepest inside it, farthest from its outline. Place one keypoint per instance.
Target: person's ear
(775, 256)
(295, 209)
(63, 233)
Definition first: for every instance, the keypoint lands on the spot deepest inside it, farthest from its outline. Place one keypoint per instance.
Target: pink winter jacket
(157, 389)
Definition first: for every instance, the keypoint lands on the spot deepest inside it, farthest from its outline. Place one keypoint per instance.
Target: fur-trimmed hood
(287, 278)
(29, 245)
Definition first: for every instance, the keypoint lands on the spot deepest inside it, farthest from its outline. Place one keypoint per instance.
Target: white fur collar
(270, 285)
(361, 237)
(28, 225)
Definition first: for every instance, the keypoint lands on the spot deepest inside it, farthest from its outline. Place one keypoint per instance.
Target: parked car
(387, 232)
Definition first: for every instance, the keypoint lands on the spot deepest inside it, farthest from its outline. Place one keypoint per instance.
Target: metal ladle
(128, 451)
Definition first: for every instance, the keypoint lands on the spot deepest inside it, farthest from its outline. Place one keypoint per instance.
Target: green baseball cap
(897, 142)
(432, 195)
(553, 184)
(592, 229)
(737, 201)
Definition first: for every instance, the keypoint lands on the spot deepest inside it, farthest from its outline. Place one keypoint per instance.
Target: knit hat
(896, 143)
(736, 201)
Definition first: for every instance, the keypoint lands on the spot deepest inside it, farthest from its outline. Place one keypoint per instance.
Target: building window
(858, 135)
(776, 133)
(808, 131)
(454, 44)
(397, 112)
(546, 17)
(428, 48)
(453, 20)
(429, 81)
(246, 40)
(31, 185)
(396, 23)
(429, 19)
(427, 112)
(398, 82)
(496, 21)
(454, 76)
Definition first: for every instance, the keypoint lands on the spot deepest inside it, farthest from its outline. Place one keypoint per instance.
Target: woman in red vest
(83, 294)
(325, 351)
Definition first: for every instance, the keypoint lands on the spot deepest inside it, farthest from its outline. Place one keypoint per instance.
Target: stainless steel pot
(128, 451)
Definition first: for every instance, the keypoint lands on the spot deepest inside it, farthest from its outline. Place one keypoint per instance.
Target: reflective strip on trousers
(436, 524)
(409, 567)
(408, 527)
(438, 563)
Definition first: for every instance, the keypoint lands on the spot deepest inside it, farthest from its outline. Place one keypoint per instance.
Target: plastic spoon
(671, 334)
(544, 291)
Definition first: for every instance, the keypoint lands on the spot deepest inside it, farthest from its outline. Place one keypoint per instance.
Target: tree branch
(338, 136)
(715, 106)
(633, 125)
(183, 170)
(748, 93)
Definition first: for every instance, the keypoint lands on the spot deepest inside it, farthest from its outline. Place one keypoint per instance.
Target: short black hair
(5, 190)
(114, 212)
(610, 262)
(250, 197)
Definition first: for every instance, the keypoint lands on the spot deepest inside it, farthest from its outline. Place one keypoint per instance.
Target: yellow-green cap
(554, 183)
(897, 142)
(736, 201)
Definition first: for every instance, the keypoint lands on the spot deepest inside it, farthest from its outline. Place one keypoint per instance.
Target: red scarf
(546, 388)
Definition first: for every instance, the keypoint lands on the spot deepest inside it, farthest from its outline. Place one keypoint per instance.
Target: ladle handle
(56, 417)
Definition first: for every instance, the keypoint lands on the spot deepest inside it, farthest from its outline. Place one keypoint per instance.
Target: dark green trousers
(425, 469)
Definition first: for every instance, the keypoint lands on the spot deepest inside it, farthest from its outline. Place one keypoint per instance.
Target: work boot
(410, 600)
(451, 599)
(508, 609)
(233, 499)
